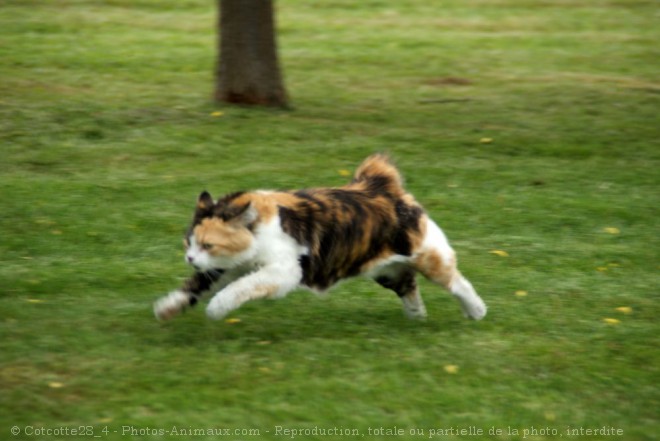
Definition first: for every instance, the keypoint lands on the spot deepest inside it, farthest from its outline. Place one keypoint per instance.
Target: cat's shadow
(264, 323)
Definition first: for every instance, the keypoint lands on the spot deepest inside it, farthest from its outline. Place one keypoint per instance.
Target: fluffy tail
(379, 175)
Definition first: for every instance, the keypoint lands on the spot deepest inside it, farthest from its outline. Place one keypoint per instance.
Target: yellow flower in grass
(611, 321)
(232, 321)
(624, 309)
(611, 230)
(521, 293)
(344, 172)
(451, 369)
(217, 113)
(55, 385)
(500, 253)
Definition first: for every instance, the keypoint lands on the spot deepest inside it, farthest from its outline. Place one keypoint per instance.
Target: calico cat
(264, 244)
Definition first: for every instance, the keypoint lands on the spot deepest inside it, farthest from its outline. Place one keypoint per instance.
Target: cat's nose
(189, 258)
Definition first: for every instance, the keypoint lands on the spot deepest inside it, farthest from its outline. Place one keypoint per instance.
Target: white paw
(415, 310)
(415, 314)
(172, 304)
(475, 309)
(219, 307)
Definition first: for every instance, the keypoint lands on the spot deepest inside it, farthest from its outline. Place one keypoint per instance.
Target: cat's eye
(207, 246)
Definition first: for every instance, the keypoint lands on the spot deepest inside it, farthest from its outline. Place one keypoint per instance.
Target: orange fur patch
(261, 291)
(266, 204)
(417, 236)
(225, 238)
(431, 265)
(379, 165)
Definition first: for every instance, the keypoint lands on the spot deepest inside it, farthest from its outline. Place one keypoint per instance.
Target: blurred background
(528, 129)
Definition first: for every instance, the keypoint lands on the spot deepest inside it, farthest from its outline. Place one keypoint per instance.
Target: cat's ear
(248, 215)
(244, 214)
(205, 201)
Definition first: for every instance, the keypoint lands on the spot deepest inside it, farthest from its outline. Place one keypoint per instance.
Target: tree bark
(248, 70)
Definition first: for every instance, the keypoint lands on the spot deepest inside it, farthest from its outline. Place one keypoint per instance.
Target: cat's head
(220, 236)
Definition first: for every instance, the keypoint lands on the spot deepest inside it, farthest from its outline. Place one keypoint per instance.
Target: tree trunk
(248, 70)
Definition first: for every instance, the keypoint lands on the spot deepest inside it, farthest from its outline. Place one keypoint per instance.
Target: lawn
(529, 129)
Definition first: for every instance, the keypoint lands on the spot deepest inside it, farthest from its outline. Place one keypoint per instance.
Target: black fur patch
(201, 282)
(408, 221)
(402, 285)
(344, 229)
(226, 210)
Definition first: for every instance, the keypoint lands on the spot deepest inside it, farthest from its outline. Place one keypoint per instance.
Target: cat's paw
(219, 307)
(413, 306)
(172, 304)
(416, 314)
(475, 310)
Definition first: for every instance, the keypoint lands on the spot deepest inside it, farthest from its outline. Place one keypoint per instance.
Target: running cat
(264, 244)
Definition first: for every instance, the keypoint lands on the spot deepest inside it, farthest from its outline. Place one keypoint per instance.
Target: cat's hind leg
(404, 285)
(437, 262)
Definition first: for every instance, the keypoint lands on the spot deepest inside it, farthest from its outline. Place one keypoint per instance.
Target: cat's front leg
(188, 295)
(269, 282)
(171, 305)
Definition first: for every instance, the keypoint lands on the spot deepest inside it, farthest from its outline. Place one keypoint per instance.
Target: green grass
(107, 137)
